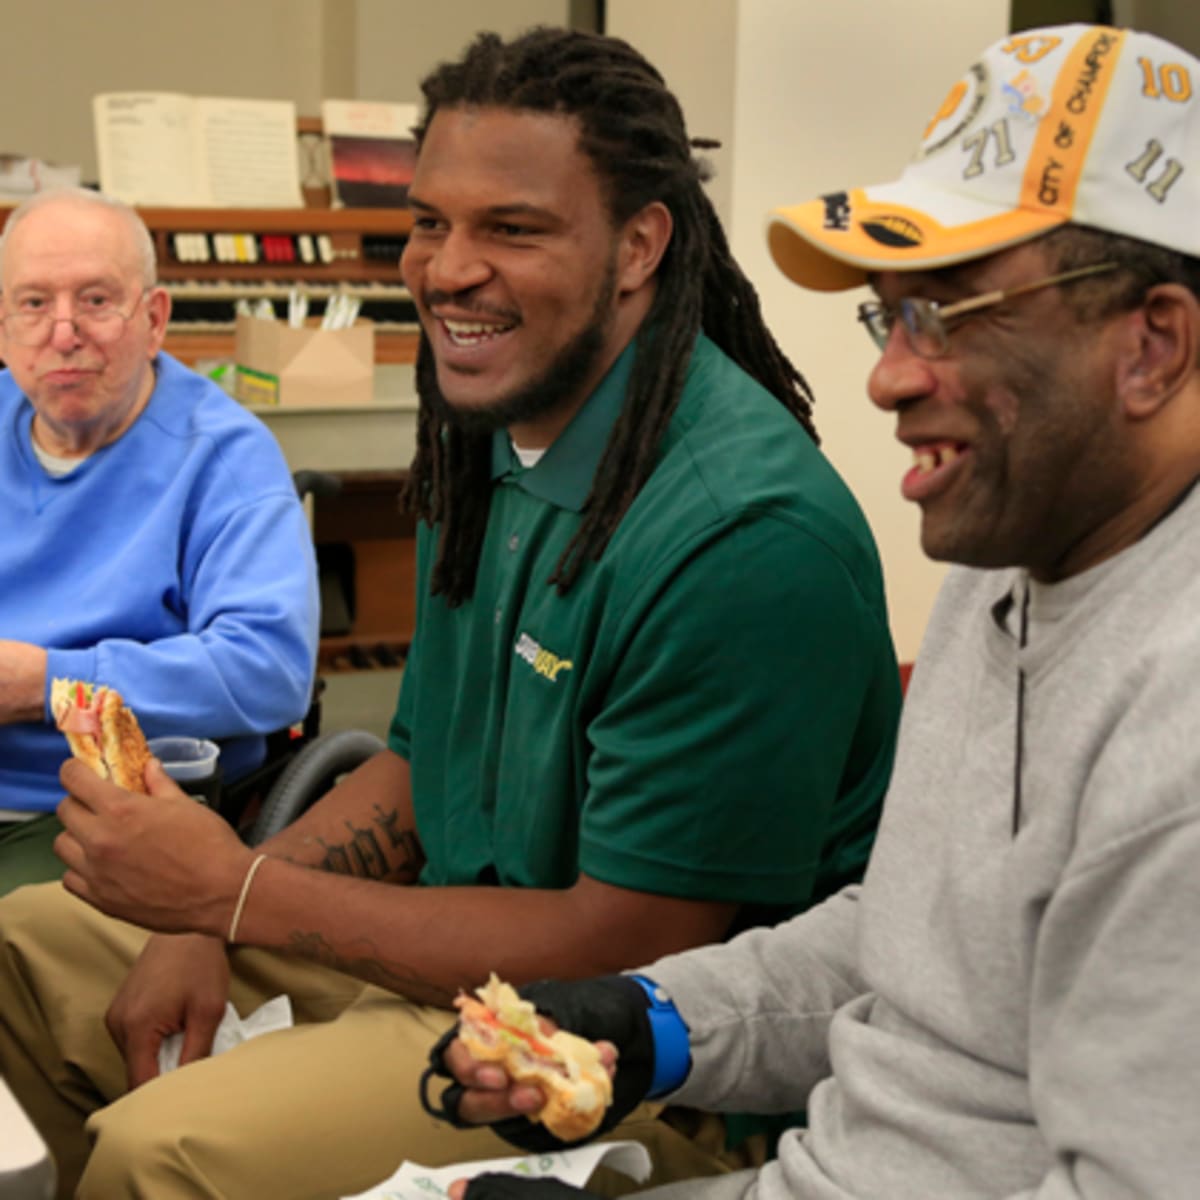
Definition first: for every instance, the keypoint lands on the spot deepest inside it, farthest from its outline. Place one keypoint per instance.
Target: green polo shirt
(709, 712)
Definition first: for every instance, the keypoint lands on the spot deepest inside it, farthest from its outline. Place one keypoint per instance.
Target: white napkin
(414, 1182)
(232, 1031)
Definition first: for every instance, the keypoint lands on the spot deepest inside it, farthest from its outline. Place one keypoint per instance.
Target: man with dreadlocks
(1005, 1009)
(650, 700)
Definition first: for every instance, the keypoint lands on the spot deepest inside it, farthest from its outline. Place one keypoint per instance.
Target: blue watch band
(672, 1047)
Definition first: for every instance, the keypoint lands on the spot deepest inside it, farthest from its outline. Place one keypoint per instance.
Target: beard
(1043, 479)
(557, 385)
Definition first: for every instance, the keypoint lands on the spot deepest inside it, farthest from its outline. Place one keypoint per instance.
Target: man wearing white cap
(1007, 1006)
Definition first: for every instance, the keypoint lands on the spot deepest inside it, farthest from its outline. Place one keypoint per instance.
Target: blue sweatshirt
(175, 565)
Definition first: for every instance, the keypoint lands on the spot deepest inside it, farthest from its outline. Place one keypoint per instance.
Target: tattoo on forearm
(397, 856)
(363, 961)
(408, 858)
(406, 867)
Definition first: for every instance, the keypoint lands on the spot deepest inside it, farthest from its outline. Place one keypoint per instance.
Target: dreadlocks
(632, 130)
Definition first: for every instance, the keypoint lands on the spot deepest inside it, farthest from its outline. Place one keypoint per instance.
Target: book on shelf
(372, 152)
(172, 150)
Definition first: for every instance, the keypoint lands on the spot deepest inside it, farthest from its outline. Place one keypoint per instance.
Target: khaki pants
(323, 1110)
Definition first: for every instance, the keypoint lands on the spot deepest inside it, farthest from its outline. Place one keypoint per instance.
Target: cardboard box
(307, 367)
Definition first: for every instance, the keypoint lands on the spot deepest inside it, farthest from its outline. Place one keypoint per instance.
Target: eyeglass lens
(36, 329)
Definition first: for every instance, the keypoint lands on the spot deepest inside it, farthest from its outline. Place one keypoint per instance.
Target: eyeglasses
(928, 322)
(93, 316)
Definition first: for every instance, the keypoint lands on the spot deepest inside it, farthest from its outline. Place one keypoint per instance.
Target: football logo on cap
(895, 231)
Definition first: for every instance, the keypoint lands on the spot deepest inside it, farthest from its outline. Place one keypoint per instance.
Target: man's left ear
(644, 240)
(1162, 344)
(158, 308)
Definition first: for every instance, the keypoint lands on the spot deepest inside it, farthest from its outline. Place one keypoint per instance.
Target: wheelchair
(294, 776)
(301, 763)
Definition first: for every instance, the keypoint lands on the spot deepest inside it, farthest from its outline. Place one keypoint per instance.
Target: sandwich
(101, 731)
(500, 1027)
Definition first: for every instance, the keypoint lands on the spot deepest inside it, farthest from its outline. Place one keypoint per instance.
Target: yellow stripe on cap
(884, 236)
(1065, 133)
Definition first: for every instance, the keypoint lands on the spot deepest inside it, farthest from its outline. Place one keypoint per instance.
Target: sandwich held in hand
(101, 731)
(500, 1027)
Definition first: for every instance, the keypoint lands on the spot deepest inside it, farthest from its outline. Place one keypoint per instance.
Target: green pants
(27, 852)
(323, 1110)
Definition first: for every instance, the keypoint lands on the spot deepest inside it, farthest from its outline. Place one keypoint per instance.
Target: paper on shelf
(368, 118)
(165, 148)
(414, 1182)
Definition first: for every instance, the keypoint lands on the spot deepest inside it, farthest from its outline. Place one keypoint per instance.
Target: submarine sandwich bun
(101, 731)
(502, 1028)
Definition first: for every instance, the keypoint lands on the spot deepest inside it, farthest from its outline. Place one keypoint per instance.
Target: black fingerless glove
(612, 1008)
(493, 1186)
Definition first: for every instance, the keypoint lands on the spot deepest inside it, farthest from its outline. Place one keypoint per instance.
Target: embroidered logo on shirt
(540, 659)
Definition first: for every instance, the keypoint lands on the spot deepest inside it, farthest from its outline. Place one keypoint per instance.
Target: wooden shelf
(367, 652)
(191, 348)
(357, 238)
(365, 243)
(278, 220)
(271, 220)
(364, 539)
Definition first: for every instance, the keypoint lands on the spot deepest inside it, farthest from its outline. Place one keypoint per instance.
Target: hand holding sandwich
(159, 860)
(507, 1088)
(135, 846)
(514, 1059)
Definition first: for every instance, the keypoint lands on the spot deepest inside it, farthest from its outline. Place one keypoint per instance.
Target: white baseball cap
(1078, 123)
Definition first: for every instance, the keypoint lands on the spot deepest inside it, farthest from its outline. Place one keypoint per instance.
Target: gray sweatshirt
(1010, 1005)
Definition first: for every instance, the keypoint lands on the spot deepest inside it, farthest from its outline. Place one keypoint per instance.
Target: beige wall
(62, 52)
(699, 69)
(824, 96)
(59, 54)
(398, 42)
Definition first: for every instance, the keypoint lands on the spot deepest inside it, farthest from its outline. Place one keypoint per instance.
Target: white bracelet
(241, 902)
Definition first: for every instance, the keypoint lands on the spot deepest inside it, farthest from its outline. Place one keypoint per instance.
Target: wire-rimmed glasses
(97, 317)
(928, 322)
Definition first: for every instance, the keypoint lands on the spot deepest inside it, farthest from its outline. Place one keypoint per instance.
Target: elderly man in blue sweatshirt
(152, 542)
